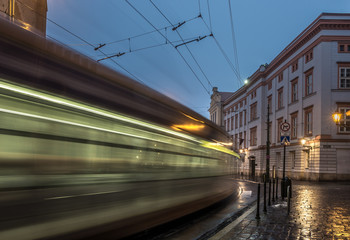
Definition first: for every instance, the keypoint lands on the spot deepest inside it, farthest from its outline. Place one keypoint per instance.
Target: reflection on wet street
(323, 210)
(318, 211)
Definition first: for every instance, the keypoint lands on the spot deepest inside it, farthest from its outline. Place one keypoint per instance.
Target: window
(295, 66)
(308, 121)
(245, 137)
(309, 56)
(269, 103)
(236, 141)
(225, 125)
(344, 76)
(294, 125)
(292, 158)
(270, 131)
(245, 117)
(278, 159)
(344, 120)
(280, 77)
(269, 85)
(253, 94)
(232, 123)
(280, 98)
(236, 121)
(279, 123)
(253, 139)
(240, 140)
(253, 113)
(241, 119)
(294, 89)
(228, 124)
(344, 47)
(308, 83)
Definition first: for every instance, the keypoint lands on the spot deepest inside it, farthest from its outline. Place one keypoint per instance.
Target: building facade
(302, 87)
(29, 14)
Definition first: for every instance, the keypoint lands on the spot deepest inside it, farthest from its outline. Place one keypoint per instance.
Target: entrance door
(252, 167)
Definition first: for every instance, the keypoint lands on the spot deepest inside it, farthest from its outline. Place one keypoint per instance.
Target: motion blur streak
(85, 108)
(86, 151)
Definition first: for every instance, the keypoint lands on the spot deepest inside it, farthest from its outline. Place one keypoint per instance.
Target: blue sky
(262, 30)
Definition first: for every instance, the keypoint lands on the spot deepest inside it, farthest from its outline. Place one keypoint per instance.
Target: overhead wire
(211, 27)
(81, 39)
(184, 44)
(189, 66)
(234, 40)
(224, 54)
(143, 34)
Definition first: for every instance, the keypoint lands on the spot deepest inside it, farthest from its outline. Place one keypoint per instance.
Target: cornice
(304, 37)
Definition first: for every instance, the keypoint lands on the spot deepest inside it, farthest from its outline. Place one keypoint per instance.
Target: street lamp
(336, 117)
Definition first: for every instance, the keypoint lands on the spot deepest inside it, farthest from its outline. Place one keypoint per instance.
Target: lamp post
(339, 117)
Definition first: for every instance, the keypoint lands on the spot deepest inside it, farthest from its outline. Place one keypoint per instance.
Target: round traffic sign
(285, 127)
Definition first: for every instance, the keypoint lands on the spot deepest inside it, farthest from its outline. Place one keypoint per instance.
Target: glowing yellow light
(303, 141)
(240, 150)
(190, 117)
(336, 117)
(246, 81)
(191, 127)
(219, 148)
(347, 113)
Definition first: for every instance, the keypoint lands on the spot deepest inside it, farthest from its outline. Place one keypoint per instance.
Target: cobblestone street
(318, 211)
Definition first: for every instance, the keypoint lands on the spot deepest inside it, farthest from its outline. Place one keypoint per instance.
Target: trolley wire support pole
(268, 143)
(258, 204)
(265, 210)
(273, 189)
(269, 192)
(283, 183)
(276, 188)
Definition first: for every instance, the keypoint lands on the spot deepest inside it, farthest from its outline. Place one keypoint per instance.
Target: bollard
(276, 188)
(288, 196)
(258, 203)
(270, 192)
(265, 210)
(273, 190)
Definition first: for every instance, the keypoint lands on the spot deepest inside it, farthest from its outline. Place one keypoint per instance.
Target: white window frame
(345, 78)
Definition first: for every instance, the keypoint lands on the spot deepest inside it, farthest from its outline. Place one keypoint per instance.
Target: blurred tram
(85, 150)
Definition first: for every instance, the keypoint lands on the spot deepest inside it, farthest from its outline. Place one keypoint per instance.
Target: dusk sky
(262, 29)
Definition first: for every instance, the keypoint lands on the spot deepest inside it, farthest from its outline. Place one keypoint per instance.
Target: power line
(211, 27)
(81, 39)
(144, 48)
(234, 40)
(170, 43)
(184, 43)
(142, 34)
(225, 55)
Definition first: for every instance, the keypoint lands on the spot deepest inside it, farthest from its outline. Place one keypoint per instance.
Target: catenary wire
(234, 40)
(195, 60)
(81, 39)
(170, 44)
(224, 54)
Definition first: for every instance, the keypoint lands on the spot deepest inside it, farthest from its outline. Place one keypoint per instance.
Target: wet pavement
(317, 211)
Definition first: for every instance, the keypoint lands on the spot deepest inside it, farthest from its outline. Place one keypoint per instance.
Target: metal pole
(283, 184)
(276, 188)
(258, 203)
(265, 210)
(268, 143)
(273, 190)
(269, 192)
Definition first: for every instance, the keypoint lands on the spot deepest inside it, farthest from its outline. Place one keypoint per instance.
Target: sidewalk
(318, 211)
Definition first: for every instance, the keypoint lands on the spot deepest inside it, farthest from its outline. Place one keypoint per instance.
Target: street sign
(285, 139)
(285, 127)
